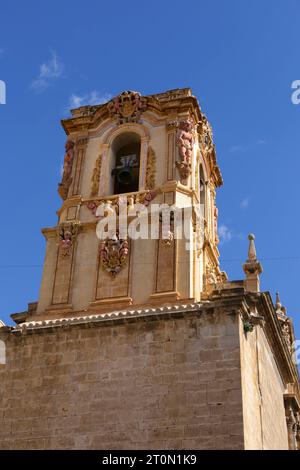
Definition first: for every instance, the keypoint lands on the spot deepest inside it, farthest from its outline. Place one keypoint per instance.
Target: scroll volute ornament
(185, 142)
(66, 181)
(113, 254)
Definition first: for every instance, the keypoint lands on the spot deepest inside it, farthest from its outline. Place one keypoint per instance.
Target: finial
(279, 308)
(252, 249)
(278, 303)
(252, 267)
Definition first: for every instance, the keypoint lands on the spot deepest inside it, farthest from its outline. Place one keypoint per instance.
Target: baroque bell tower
(138, 340)
(155, 149)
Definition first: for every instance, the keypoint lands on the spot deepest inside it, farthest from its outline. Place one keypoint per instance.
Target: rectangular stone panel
(165, 270)
(109, 286)
(62, 282)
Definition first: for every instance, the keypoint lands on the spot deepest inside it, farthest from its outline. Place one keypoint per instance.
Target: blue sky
(240, 59)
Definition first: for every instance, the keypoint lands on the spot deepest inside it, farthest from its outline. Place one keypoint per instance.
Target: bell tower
(138, 340)
(154, 150)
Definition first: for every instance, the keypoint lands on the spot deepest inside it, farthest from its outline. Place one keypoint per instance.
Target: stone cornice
(279, 346)
(231, 303)
(235, 305)
(258, 309)
(124, 316)
(69, 202)
(162, 104)
(49, 232)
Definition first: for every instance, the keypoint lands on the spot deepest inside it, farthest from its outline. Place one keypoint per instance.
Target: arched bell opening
(126, 151)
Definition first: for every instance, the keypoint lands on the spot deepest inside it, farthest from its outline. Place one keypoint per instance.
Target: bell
(125, 176)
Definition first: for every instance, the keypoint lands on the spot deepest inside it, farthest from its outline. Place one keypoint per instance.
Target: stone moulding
(177, 310)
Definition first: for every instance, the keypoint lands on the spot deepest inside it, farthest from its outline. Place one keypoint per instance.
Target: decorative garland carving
(185, 142)
(67, 233)
(286, 332)
(139, 198)
(96, 177)
(208, 149)
(113, 254)
(151, 169)
(197, 171)
(216, 215)
(206, 139)
(66, 181)
(127, 107)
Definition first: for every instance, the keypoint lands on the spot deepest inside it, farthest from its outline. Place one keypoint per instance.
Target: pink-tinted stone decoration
(113, 254)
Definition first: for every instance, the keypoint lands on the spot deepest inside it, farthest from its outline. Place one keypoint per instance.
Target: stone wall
(263, 405)
(169, 381)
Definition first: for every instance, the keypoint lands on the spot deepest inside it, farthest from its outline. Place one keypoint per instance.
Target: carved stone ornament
(252, 265)
(169, 238)
(66, 181)
(167, 232)
(206, 139)
(293, 426)
(206, 142)
(213, 275)
(216, 215)
(199, 233)
(185, 142)
(284, 323)
(96, 177)
(144, 198)
(127, 107)
(113, 254)
(67, 233)
(151, 169)
(210, 274)
(286, 332)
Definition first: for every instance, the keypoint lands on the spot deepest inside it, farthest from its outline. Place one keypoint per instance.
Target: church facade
(138, 339)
